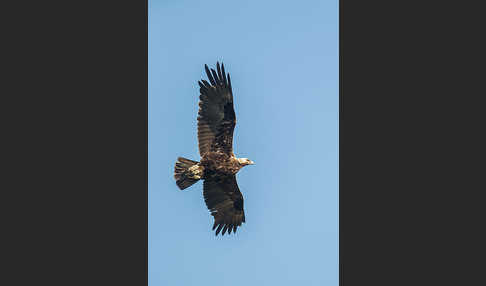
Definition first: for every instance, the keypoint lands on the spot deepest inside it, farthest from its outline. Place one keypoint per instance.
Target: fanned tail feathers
(184, 176)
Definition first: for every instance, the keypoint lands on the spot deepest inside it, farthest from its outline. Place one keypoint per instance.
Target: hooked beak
(251, 162)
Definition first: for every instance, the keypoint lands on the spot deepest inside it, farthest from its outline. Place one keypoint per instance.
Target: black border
(409, 136)
(77, 79)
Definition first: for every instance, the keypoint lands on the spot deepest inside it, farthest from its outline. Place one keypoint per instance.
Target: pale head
(245, 161)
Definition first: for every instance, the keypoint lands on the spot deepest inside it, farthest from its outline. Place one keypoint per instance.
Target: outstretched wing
(216, 120)
(223, 198)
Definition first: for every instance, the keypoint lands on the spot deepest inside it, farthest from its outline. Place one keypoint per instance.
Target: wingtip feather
(208, 73)
(219, 229)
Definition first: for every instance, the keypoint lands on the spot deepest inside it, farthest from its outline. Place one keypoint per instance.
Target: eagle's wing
(216, 120)
(223, 198)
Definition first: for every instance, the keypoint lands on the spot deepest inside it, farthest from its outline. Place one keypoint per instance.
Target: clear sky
(283, 61)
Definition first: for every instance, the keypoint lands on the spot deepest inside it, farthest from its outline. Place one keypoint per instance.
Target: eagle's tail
(184, 175)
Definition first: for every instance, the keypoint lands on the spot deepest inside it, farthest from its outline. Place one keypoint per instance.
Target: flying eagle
(218, 166)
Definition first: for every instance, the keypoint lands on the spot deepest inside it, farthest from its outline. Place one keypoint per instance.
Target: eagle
(218, 164)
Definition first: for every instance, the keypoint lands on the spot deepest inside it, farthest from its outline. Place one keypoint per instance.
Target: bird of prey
(218, 165)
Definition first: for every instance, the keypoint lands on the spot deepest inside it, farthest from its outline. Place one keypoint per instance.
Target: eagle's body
(218, 165)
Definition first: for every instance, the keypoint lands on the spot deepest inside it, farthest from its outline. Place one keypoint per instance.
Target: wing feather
(224, 74)
(220, 75)
(225, 201)
(210, 77)
(216, 116)
(216, 78)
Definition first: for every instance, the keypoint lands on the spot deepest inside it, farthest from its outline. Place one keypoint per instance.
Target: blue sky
(283, 61)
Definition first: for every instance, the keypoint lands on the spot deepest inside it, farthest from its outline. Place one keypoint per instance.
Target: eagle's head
(245, 161)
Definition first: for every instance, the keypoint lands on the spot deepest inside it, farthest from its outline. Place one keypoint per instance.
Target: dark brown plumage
(218, 165)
